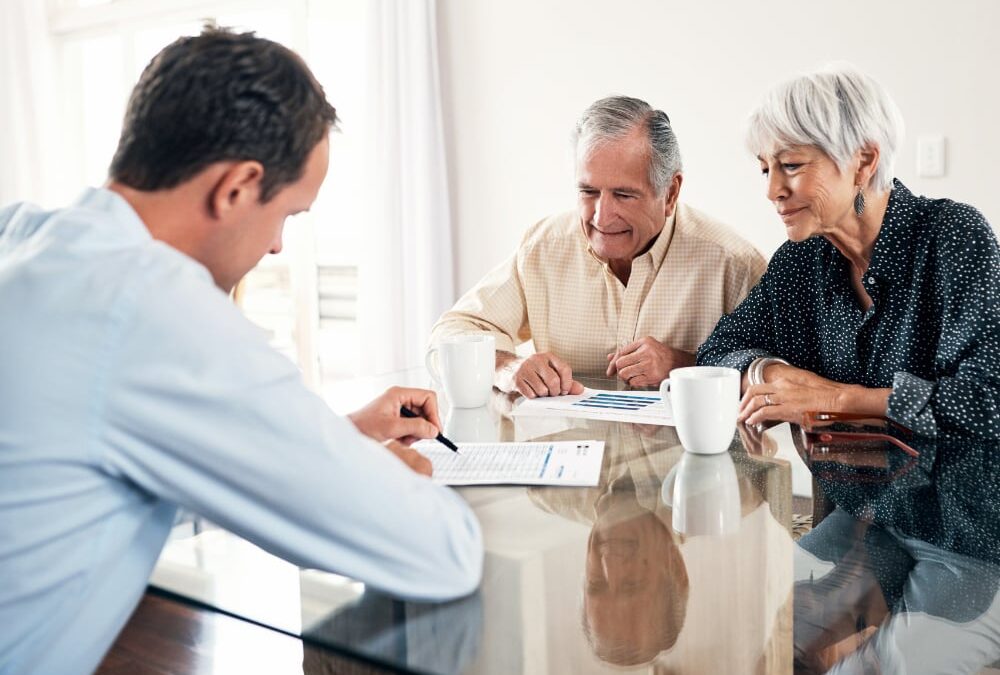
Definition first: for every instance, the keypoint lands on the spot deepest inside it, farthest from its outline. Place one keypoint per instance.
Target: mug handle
(665, 395)
(431, 362)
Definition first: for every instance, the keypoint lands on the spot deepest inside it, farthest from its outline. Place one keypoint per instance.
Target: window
(305, 298)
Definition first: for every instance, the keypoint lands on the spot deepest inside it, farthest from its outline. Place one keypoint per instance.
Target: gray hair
(613, 117)
(836, 109)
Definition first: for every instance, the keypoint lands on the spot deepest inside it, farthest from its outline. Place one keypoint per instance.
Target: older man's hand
(542, 374)
(646, 362)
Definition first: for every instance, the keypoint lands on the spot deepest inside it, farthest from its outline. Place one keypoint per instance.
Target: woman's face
(808, 190)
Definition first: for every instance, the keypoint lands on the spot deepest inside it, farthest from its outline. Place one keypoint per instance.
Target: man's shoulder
(20, 220)
(697, 228)
(557, 230)
(555, 240)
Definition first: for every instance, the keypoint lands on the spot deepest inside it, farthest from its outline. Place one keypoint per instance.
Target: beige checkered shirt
(556, 292)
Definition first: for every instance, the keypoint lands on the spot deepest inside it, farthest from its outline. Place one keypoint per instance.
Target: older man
(629, 284)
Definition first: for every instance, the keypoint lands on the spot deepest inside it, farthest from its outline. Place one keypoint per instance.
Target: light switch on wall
(930, 155)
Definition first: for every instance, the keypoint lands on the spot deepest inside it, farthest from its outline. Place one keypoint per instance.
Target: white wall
(516, 74)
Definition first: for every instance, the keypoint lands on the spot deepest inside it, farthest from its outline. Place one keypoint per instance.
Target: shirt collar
(657, 252)
(124, 216)
(895, 241)
(130, 228)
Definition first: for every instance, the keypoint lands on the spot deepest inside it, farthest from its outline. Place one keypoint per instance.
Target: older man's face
(636, 583)
(620, 212)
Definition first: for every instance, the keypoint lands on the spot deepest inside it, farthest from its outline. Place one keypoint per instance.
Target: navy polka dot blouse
(932, 334)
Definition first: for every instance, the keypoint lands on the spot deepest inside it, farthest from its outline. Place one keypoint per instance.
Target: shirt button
(871, 280)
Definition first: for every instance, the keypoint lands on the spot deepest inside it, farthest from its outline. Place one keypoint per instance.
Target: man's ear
(239, 185)
(672, 194)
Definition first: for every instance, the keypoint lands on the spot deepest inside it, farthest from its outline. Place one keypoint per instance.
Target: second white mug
(464, 366)
(705, 401)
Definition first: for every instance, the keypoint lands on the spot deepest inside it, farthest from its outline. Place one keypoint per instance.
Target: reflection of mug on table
(472, 425)
(704, 494)
(464, 365)
(705, 402)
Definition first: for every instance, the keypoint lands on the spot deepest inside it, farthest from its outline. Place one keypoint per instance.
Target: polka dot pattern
(932, 334)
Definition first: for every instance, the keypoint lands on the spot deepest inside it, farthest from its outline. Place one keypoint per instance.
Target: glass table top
(674, 563)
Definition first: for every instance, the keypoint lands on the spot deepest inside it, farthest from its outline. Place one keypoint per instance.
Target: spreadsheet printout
(572, 463)
(640, 407)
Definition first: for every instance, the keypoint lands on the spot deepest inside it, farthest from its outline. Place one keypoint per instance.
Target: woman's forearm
(858, 399)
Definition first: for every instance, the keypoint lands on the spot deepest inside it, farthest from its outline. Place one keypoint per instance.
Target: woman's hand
(790, 392)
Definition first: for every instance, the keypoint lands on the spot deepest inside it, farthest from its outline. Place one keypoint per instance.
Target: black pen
(406, 412)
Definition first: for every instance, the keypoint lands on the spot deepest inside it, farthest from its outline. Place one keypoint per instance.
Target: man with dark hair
(131, 385)
(187, 112)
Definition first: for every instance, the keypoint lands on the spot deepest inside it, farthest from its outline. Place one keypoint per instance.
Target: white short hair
(836, 109)
(613, 117)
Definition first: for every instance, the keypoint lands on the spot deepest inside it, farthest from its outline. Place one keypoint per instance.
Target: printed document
(573, 463)
(640, 407)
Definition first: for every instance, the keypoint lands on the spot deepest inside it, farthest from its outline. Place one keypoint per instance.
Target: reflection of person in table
(636, 585)
(881, 302)
(903, 576)
(653, 595)
(873, 597)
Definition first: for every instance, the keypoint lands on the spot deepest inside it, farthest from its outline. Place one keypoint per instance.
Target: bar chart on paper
(572, 463)
(640, 407)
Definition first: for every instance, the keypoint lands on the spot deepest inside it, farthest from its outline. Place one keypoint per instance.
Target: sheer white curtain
(27, 111)
(406, 280)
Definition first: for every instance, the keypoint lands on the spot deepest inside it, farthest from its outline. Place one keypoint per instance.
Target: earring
(859, 202)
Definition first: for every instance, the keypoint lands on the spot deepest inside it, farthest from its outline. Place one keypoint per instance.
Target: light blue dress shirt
(130, 385)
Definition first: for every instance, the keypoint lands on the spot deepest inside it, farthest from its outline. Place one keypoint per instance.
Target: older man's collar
(657, 252)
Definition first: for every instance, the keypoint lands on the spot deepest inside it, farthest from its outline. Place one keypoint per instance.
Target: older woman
(881, 302)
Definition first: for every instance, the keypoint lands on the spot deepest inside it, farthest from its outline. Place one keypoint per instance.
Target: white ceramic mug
(464, 366)
(705, 401)
(704, 495)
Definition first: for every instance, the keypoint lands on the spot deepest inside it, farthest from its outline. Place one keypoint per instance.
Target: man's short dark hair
(221, 96)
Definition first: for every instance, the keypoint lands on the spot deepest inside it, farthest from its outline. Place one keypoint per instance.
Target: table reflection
(903, 575)
(703, 492)
(673, 563)
(431, 638)
(581, 580)
(652, 593)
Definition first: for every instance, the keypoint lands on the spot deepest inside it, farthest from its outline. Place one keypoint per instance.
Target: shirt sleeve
(495, 305)
(965, 397)
(741, 336)
(201, 412)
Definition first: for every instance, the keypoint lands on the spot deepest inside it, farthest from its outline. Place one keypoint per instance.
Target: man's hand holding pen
(400, 417)
(383, 420)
